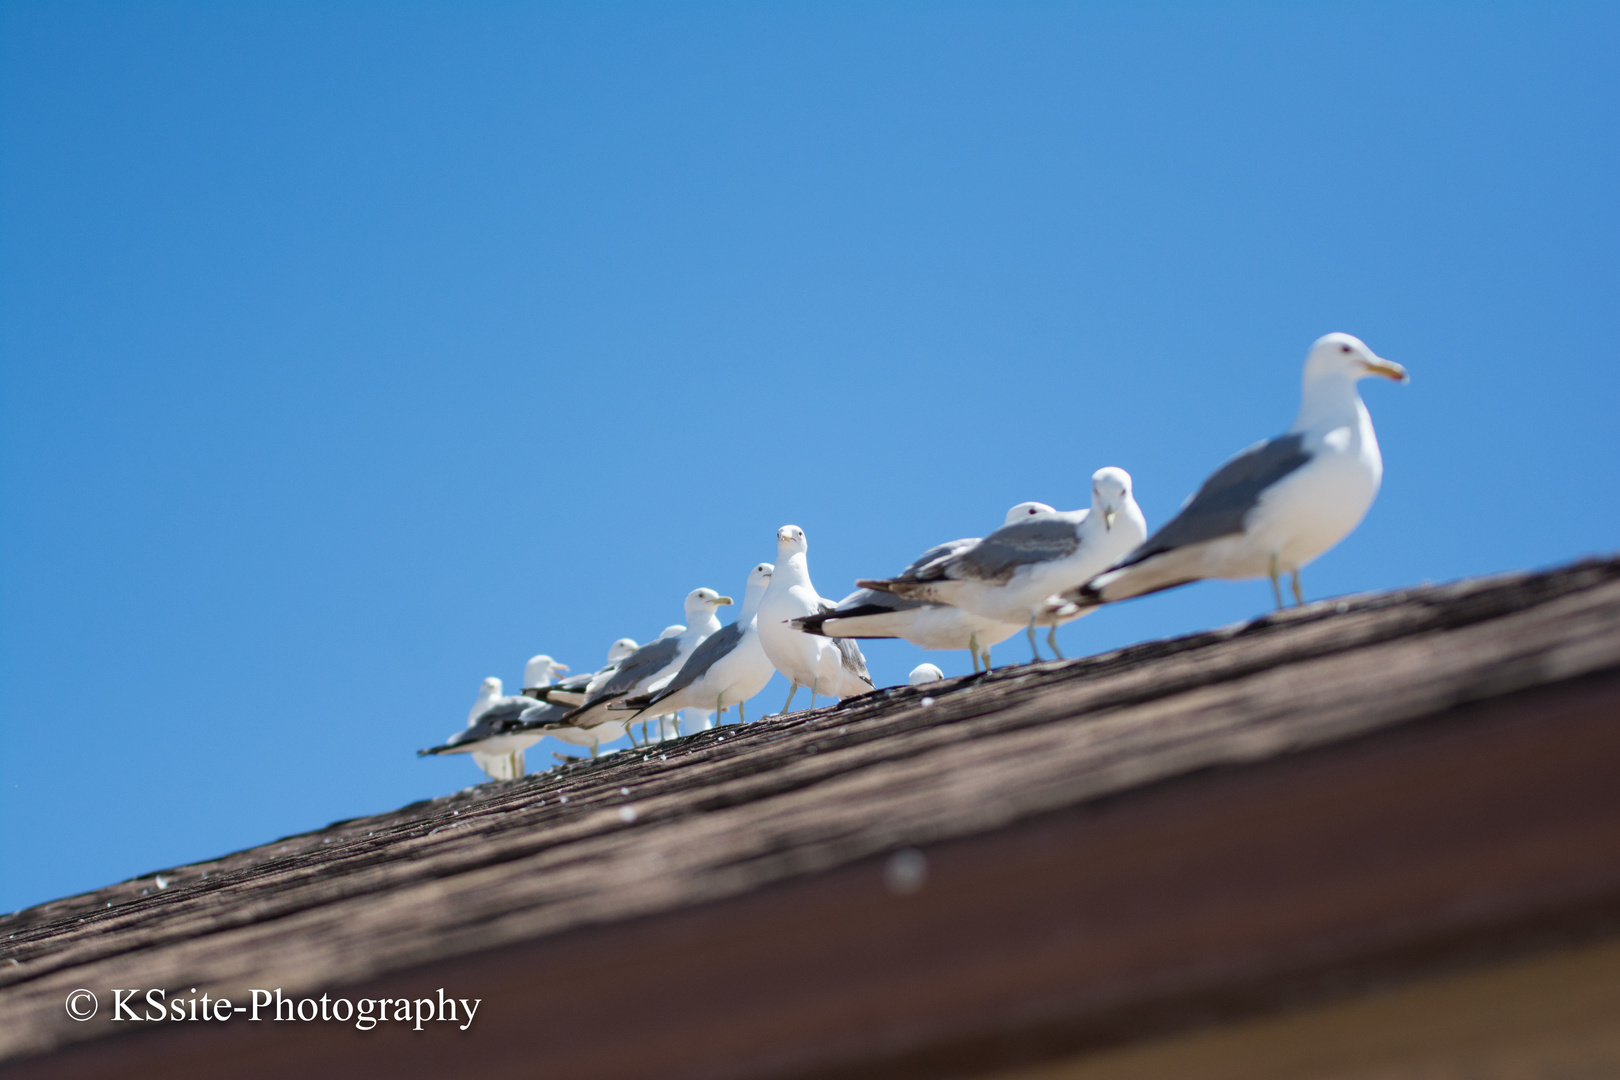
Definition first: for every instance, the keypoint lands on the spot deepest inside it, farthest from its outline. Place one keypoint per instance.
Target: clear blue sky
(351, 353)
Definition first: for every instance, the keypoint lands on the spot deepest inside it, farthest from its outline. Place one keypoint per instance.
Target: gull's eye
(1344, 348)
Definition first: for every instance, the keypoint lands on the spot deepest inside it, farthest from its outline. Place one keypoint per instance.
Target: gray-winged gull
(728, 669)
(573, 690)
(493, 735)
(649, 667)
(832, 666)
(868, 613)
(1009, 575)
(1275, 506)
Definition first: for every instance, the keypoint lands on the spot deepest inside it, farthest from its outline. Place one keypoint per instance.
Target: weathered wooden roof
(1113, 845)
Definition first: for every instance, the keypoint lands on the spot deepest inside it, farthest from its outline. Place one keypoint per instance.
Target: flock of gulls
(1265, 513)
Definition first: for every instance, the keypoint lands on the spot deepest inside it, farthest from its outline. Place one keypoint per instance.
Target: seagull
(927, 673)
(831, 666)
(654, 664)
(727, 669)
(1009, 575)
(492, 735)
(572, 691)
(867, 613)
(538, 673)
(1275, 506)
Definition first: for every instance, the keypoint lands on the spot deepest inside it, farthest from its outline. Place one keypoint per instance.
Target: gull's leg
(593, 751)
(1276, 587)
(1299, 595)
(1032, 646)
(676, 719)
(987, 659)
(1051, 639)
(793, 688)
(973, 649)
(719, 708)
(813, 686)
(517, 765)
(742, 717)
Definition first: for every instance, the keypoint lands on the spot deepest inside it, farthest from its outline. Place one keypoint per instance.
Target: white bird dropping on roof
(926, 673)
(493, 736)
(1010, 574)
(868, 613)
(832, 666)
(729, 668)
(649, 667)
(1275, 506)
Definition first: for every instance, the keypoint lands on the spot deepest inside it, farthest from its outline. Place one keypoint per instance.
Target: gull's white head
(491, 687)
(621, 649)
(540, 670)
(1345, 356)
(790, 541)
(924, 673)
(1026, 510)
(760, 576)
(1110, 491)
(700, 602)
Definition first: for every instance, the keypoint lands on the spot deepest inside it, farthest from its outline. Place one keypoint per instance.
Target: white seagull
(1277, 505)
(493, 736)
(573, 690)
(539, 672)
(1010, 574)
(868, 613)
(831, 666)
(652, 665)
(927, 673)
(728, 669)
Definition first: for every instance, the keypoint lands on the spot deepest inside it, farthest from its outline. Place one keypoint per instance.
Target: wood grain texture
(567, 912)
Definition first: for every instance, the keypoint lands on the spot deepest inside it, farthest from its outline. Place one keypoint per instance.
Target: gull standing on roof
(832, 666)
(493, 736)
(557, 701)
(1009, 575)
(728, 669)
(573, 690)
(1277, 505)
(868, 613)
(652, 665)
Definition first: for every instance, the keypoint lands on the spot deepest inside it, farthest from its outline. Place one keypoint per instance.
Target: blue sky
(350, 353)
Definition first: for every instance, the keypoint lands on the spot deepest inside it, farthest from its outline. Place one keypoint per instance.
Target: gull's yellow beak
(1108, 519)
(560, 667)
(1389, 369)
(722, 601)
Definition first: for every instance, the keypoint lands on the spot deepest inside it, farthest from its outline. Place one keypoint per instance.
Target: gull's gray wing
(936, 554)
(998, 556)
(854, 663)
(1219, 507)
(574, 684)
(500, 718)
(858, 603)
(705, 656)
(540, 717)
(645, 661)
